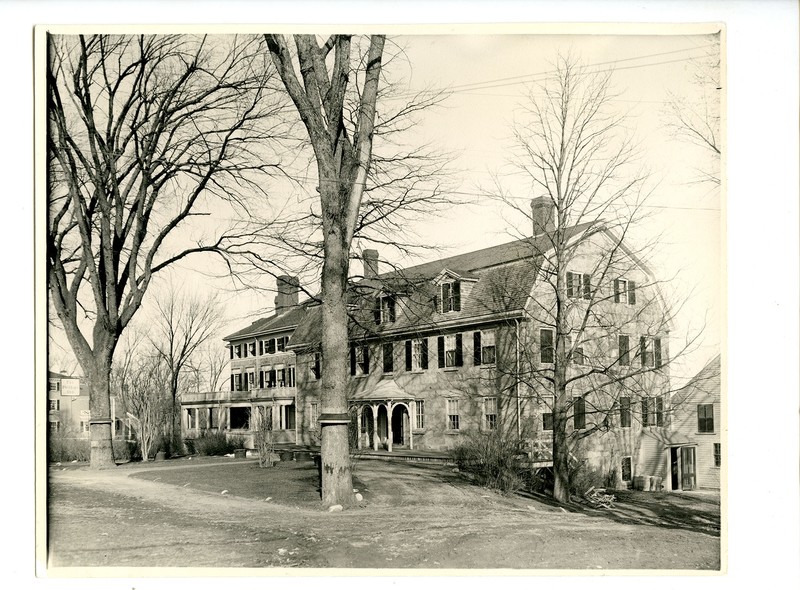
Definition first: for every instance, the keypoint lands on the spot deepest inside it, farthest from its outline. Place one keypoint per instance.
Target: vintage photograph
(420, 299)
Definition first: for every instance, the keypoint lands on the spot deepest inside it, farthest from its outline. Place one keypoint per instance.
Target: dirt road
(414, 517)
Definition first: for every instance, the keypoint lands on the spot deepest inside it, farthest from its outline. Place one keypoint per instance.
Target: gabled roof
(285, 320)
(707, 380)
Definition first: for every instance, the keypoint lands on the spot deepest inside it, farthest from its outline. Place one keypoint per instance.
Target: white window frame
(313, 415)
(416, 354)
(450, 354)
(487, 335)
(490, 413)
(419, 414)
(453, 417)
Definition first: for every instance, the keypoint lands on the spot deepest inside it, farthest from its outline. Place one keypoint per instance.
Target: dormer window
(450, 296)
(385, 309)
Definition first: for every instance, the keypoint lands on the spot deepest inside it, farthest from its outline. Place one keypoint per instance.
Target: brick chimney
(543, 215)
(288, 293)
(370, 264)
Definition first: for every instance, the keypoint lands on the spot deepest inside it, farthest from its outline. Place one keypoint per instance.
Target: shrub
(582, 477)
(494, 460)
(217, 443)
(189, 444)
(66, 449)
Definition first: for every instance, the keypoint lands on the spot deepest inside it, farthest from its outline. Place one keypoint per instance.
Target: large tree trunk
(100, 424)
(560, 450)
(337, 481)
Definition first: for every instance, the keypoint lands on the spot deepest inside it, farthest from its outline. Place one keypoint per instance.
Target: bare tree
(145, 133)
(343, 158)
(596, 347)
(696, 120)
(182, 324)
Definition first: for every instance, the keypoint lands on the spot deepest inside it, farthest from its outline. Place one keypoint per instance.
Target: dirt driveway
(414, 516)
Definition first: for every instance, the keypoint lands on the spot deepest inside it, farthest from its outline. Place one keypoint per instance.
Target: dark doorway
(673, 460)
(399, 425)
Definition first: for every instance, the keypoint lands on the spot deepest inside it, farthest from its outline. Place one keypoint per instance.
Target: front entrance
(400, 425)
(683, 471)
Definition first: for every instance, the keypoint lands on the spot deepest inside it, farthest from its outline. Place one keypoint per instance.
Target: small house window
(420, 413)
(577, 353)
(452, 414)
(490, 413)
(388, 357)
(624, 291)
(547, 414)
(55, 405)
(579, 413)
(450, 351)
(625, 412)
(705, 418)
(653, 411)
(484, 348)
(579, 285)
(271, 347)
(359, 360)
(417, 354)
(450, 296)
(717, 455)
(650, 351)
(280, 343)
(54, 385)
(287, 417)
(624, 345)
(546, 348)
(385, 309)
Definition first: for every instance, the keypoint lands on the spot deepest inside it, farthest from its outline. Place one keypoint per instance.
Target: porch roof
(386, 389)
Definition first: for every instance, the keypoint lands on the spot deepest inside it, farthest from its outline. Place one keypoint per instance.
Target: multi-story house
(462, 345)
(68, 408)
(695, 445)
(262, 378)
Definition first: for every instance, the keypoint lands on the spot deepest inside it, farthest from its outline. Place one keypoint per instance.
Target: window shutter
(408, 355)
(616, 290)
(476, 354)
(365, 367)
(570, 289)
(392, 316)
(700, 418)
(659, 411)
(424, 353)
(631, 292)
(456, 296)
(261, 379)
(436, 306)
(643, 350)
(376, 309)
(587, 286)
(657, 351)
(644, 412)
(445, 297)
(352, 360)
(233, 383)
(231, 351)
(459, 351)
(440, 346)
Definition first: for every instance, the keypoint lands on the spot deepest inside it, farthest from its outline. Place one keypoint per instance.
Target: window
(484, 348)
(244, 350)
(626, 469)
(625, 412)
(577, 353)
(54, 385)
(450, 297)
(490, 412)
(388, 357)
(385, 309)
(290, 377)
(55, 405)
(55, 426)
(417, 354)
(213, 418)
(547, 415)
(653, 411)
(287, 417)
(450, 351)
(240, 418)
(624, 291)
(316, 366)
(191, 418)
(579, 413)
(359, 360)
(705, 417)
(271, 348)
(236, 382)
(280, 343)
(452, 414)
(237, 351)
(84, 427)
(624, 345)
(252, 348)
(313, 416)
(650, 351)
(546, 349)
(717, 455)
(579, 285)
(420, 413)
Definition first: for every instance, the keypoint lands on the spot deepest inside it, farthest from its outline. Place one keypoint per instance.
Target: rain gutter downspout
(516, 378)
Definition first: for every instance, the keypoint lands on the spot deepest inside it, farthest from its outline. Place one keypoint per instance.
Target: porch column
(389, 407)
(375, 437)
(411, 418)
(358, 414)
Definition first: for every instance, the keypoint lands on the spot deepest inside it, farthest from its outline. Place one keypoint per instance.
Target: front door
(687, 468)
(675, 468)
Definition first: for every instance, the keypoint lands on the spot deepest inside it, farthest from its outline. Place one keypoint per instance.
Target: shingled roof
(501, 277)
(284, 320)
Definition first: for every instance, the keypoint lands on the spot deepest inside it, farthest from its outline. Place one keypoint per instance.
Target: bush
(65, 450)
(189, 444)
(582, 477)
(494, 460)
(217, 443)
